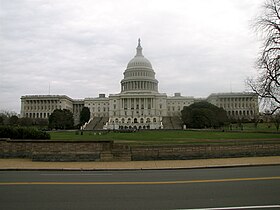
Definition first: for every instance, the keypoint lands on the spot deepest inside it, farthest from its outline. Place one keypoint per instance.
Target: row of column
(137, 103)
(41, 102)
(139, 85)
(37, 115)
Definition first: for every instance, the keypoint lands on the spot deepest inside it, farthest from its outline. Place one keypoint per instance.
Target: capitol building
(139, 105)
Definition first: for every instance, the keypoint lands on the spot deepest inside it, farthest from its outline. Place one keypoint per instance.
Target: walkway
(27, 164)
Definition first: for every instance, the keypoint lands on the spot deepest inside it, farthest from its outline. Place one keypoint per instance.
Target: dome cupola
(139, 59)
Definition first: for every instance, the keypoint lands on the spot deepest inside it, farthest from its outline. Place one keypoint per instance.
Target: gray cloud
(81, 48)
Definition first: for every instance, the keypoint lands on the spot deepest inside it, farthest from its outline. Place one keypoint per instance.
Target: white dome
(139, 61)
(139, 74)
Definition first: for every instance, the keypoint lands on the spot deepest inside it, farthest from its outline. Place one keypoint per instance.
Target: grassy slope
(169, 137)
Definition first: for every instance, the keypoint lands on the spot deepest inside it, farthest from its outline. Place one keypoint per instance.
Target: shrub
(22, 133)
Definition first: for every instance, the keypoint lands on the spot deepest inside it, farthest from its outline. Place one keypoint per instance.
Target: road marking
(76, 174)
(143, 183)
(239, 207)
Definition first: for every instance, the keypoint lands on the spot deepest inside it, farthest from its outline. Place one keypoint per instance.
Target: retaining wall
(184, 152)
(46, 150)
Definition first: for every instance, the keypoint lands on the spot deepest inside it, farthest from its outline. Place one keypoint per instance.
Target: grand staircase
(172, 123)
(96, 123)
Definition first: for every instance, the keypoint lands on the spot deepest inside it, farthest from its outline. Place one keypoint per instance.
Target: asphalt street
(239, 188)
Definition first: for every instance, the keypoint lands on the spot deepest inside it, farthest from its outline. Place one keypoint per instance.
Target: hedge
(22, 133)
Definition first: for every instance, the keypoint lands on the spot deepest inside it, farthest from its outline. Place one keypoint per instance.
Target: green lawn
(264, 127)
(169, 137)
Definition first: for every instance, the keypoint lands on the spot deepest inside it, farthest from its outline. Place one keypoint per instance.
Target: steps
(96, 123)
(117, 153)
(171, 123)
(101, 123)
(176, 122)
(166, 123)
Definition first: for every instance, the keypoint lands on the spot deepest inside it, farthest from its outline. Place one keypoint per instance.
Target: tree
(61, 119)
(256, 119)
(276, 120)
(267, 84)
(1, 120)
(25, 121)
(84, 115)
(6, 115)
(203, 115)
(40, 122)
(13, 120)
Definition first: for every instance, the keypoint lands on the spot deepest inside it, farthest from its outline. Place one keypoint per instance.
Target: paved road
(151, 189)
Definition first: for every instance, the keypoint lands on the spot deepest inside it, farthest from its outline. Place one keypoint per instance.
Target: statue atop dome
(139, 49)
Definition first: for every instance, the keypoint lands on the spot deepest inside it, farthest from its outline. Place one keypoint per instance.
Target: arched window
(154, 120)
(141, 120)
(148, 120)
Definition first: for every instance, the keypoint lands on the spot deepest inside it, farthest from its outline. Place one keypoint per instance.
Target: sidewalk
(27, 164)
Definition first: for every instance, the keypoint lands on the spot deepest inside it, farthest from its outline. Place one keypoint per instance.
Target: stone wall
(184, 152)
(46, 150)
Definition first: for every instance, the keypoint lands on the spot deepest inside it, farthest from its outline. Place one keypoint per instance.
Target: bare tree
(276, 120)
(267, 84)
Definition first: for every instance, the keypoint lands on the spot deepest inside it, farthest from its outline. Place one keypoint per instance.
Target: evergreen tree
(204, 115)
(61, 119)
(84, 115)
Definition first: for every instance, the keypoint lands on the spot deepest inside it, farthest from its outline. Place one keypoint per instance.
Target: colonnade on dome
(139, 86)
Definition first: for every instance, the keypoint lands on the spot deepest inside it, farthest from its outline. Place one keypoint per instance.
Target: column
(134, 103)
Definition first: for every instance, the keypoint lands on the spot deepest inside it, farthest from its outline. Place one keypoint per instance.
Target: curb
(141, 169)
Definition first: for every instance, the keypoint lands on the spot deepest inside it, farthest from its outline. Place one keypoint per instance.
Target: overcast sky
(81, 48)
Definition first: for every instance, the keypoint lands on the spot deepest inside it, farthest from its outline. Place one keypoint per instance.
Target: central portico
(139, 105)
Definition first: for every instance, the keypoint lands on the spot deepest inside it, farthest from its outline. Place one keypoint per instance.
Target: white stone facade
(139, 105)
(237, 105)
